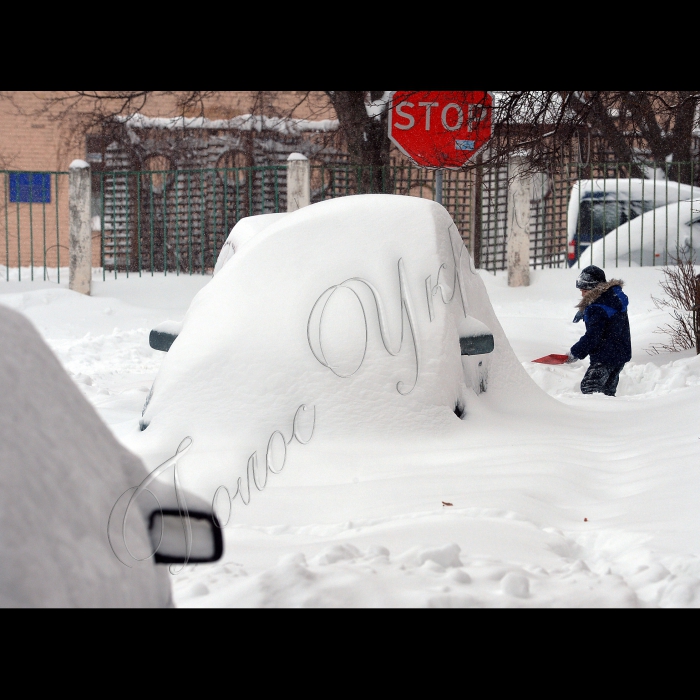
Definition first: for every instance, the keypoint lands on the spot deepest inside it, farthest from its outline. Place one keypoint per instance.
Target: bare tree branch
(636, 126)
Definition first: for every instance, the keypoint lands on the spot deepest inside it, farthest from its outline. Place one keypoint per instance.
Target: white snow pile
(29, 273)
(536, 498)
(243, 122)
(340, 321)
(61, 472)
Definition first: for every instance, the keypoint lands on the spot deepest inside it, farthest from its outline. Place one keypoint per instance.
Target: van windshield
(596, 218)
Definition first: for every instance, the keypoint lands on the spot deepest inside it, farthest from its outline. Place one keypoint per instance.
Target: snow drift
(339, 324)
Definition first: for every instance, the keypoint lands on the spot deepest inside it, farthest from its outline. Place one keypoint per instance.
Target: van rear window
(596, 218)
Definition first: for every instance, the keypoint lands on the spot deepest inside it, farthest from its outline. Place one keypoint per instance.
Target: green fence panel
(176, 221)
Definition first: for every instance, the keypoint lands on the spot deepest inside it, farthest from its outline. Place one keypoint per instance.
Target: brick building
(39, 138)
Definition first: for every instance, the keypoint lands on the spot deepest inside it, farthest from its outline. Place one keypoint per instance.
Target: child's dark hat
(590, 277)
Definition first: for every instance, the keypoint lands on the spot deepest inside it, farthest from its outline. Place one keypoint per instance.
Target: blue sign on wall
(30, 187)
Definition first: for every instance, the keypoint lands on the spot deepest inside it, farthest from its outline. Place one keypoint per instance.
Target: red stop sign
(440, 129)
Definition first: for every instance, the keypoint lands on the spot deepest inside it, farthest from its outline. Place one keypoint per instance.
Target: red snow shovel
(552, 359)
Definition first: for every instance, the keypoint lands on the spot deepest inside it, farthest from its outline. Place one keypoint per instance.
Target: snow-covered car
(71, 535)
(598, 206)
(163, 335)
(359, 321)
(656, 238)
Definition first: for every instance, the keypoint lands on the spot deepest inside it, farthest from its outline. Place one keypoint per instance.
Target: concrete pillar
(298, 182)
(80, 234)
(518, 223)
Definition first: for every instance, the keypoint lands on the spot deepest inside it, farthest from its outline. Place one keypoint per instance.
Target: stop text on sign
(450, 112)
(440, 129)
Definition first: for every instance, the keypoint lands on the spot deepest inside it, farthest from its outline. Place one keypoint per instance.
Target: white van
(658, 237)
(598, 206)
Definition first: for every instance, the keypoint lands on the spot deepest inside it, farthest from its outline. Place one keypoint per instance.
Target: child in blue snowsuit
(603, 309)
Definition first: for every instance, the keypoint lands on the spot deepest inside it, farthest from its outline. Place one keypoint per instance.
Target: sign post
(441, 128)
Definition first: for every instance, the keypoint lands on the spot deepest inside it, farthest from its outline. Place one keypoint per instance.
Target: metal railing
(573, 207)
(176, 221)
(33, 224)
(624, 221)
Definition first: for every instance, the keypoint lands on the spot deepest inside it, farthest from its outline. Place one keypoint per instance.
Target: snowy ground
(597, 509)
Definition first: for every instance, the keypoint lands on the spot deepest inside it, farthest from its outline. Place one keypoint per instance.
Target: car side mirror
(161, 341)
(475, 337)
(169, 532)
(164, 335)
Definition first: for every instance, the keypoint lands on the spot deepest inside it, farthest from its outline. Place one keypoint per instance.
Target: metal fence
(176, 221)
(33, 224)
(618, 220)
(572, 207)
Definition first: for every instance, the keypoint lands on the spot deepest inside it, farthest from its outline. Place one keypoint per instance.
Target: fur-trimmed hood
(593, 294)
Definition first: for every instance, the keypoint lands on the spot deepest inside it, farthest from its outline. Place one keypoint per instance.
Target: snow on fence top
(244, 122)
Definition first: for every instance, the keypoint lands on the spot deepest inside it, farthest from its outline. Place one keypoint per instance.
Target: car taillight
(572, 250)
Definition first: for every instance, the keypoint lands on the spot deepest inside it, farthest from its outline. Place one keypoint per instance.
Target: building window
(30, 187)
